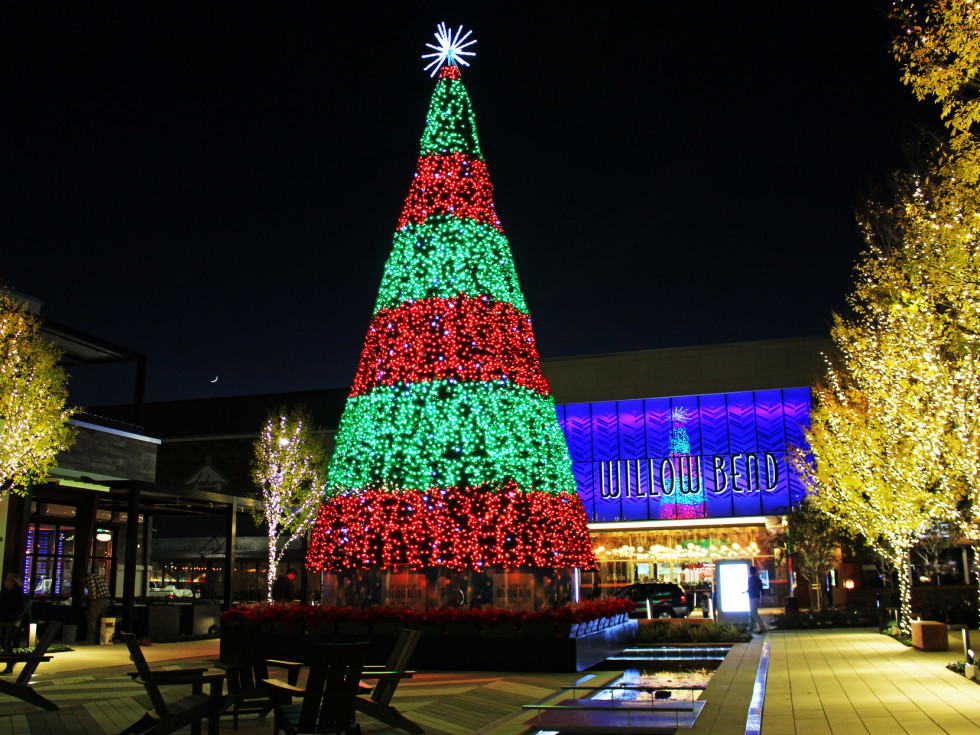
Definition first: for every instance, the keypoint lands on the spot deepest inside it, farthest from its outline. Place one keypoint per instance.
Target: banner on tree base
(404, 590)
(706, 456)
(514, 590)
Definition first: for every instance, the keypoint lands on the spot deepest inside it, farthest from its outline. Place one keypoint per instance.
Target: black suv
(667, 600)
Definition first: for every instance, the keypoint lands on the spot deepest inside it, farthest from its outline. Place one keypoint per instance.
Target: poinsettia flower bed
(289, 613)
(570, 638)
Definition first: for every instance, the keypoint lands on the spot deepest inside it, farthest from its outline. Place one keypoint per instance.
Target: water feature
(650, 674)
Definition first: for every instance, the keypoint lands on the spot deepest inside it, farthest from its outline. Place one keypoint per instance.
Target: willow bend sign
(719, 455)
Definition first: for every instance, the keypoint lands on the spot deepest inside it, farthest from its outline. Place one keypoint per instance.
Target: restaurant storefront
(670, 485)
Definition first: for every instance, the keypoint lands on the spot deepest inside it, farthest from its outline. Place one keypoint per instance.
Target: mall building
(681, 457)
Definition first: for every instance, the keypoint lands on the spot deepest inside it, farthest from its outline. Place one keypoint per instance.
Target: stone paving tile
(864, 682)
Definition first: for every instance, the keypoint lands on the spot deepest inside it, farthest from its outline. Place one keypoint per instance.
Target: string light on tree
(288, 469)
(449, 451)
(33, 393)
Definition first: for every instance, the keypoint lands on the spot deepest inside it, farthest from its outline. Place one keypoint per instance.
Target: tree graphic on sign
(682, 492)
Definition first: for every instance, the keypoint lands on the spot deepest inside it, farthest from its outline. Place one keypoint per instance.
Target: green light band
(444, 257)
(444, 434)
(450, 126)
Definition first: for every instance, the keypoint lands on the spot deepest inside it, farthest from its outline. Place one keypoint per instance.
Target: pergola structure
(151, 499)
(132, 498)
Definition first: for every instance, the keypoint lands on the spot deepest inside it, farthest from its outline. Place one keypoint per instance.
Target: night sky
(217, 185)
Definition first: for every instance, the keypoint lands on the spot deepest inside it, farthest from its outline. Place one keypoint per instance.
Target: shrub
(684, 632)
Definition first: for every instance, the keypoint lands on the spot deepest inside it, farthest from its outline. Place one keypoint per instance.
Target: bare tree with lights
(288, 468)
(811, 540)
(33, 392)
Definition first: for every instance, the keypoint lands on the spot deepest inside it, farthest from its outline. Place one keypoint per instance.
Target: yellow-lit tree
(877, 430)
(33, 392)
(937, 252)
(939, 48)
(289, 469)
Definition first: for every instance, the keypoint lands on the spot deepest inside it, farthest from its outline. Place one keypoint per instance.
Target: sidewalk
(848, 682)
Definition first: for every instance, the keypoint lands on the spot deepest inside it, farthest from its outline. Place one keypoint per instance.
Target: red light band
(453, 184)
(450, 339)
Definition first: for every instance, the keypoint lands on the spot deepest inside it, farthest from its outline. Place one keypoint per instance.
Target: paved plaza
(839, 682)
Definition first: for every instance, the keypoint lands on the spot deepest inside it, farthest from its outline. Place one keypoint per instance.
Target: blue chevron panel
(769, 420)
(585, 480)
(741, 422)
(605, 431)
(716, 456)
(796, 415)
(714, 422)
(777, 501)
(578, 431)
(635, 504)
(657, 426)
(632, 430)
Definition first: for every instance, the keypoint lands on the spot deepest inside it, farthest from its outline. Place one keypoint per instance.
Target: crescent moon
(215, 379)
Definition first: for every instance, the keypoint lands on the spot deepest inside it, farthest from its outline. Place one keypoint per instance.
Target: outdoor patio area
(818, 681)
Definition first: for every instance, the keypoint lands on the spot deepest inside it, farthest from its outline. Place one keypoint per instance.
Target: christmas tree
(449, 451)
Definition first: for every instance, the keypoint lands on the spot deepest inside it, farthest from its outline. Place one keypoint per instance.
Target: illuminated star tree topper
(450, 51)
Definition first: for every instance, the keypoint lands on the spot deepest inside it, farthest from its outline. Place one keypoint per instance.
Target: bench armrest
(281, 686)
(284, 664)
(168, 678)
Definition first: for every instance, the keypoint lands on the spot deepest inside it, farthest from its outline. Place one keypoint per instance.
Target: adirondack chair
(169, 715)
(247, 668)
(21, 686)
(378, 704)
(329, 694)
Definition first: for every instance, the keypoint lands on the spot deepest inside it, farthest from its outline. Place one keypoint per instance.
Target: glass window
(48, 560)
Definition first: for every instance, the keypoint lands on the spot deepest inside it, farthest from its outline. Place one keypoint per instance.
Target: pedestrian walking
(755, 598)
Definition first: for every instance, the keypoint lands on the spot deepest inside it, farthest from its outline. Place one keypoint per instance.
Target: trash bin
(107, 631)
(69, 633)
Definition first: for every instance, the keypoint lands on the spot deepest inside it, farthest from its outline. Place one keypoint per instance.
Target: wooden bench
(21, 686)
(170, 715)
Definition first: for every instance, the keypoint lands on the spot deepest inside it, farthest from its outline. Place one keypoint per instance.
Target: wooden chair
(21, 686)
(378, 705)
(247, 668)
(329, 694)
(167, 716)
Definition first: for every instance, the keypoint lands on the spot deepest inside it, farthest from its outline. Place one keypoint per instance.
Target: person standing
(98, 595)
(12, 601)
(755, 599)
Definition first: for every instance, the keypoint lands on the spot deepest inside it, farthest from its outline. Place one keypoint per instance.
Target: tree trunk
(904, 568)
(272, 571)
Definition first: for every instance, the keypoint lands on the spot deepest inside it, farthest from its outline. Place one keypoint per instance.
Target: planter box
(466, 649)
(930, 636)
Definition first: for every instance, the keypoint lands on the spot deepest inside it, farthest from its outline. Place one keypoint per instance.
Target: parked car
(159, 589)
(667, 600)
